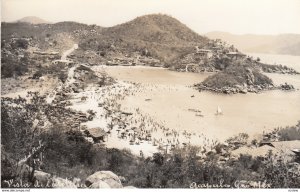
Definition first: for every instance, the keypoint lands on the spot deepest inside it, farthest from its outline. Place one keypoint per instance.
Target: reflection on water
(171, 98)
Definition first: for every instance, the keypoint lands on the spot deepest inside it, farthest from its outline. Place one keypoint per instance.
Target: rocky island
(237, 79)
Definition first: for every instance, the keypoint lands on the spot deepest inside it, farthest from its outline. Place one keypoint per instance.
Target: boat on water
(199, 114)
(219, 111)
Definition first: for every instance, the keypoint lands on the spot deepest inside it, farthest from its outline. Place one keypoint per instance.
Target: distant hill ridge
(275, 44)
(33, 20)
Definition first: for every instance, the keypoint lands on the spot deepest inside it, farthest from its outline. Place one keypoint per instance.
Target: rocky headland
(239, 79)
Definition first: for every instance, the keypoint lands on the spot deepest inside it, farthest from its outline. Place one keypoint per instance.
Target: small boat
(194, 110)
(219, 111)
(199, 114)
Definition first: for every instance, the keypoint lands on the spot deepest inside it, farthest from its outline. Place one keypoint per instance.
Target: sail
(219, 111)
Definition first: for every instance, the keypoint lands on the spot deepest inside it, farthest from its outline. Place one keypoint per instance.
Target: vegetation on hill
(289, 133)
(39, 31)
(150, 40)
(15, 63)
(156, 28)
(162, 36)
(236, 78)
(12, 66)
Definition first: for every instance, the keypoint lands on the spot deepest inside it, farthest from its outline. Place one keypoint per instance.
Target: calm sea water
(288, 60)
(171, 98)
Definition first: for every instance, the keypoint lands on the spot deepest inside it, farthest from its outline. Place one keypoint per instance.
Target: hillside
(153, 40)
(161, 36)
(156, 28)
(275, 44)
(33, 20)
(40, 31)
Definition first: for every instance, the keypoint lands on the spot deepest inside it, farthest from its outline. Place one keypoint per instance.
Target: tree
(21, 43)
(20, 136)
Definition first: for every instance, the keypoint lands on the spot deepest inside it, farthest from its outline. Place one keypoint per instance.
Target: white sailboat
(219, 111)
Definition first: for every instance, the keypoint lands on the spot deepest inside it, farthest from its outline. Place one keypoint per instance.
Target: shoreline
(161, 138)
(124, 136)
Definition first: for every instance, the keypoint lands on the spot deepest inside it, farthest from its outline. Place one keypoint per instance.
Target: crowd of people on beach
(138, 127)
(133, 124)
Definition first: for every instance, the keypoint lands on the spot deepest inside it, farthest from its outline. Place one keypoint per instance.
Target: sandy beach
(163, 115)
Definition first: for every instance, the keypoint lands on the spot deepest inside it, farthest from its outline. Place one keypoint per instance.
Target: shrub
(63, 76)
(21, 43)
(11, 66)
(37, 75)
(290, 133)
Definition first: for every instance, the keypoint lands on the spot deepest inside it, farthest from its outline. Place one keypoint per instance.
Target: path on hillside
(68, 52)
(70, 78)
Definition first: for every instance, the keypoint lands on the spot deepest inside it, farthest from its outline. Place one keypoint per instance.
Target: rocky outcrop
(58, 182)
(103, 179)
(237, 88)
(278, 69)
(100, 184)
(100, 179)
(130, 187)
(286, 87)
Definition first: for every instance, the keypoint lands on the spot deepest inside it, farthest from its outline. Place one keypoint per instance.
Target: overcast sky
(235, 16)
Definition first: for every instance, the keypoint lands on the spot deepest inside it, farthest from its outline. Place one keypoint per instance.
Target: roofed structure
(66, 62)
(96, 133)
(204, 52)
(236, 55)
(281, 148)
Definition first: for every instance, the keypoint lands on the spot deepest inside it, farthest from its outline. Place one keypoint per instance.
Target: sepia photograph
(150, 94)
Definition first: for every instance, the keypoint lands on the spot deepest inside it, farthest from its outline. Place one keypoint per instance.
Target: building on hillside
(148, 61)
(204, 53)
(125, 61)
(59, 61)
(236, 55)
(217, 49)
(97, 133)
(282, 149)
(46, 56)
(111, 63)
(45, 53)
